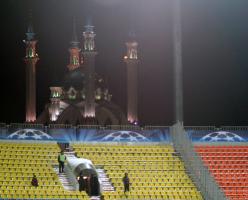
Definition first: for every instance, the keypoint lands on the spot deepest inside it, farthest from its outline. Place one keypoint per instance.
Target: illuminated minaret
(89, 54)
(131, 60)
(30, 59)
(74, 50)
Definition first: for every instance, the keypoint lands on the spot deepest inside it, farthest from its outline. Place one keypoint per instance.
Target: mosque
(82, 97)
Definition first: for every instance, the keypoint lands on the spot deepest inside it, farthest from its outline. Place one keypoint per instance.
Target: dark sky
(215, 56)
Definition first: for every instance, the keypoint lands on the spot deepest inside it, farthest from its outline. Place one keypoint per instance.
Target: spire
(74, 49)
(89, 21)
(89, 36)
(89, 27)
(131, 44)
(30, 30)
(74, 42)
(131, 35)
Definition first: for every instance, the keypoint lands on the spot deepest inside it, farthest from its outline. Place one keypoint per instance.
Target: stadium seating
(155, 171)
(229, 166)
(19, 161)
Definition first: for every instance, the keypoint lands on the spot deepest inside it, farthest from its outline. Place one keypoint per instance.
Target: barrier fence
(193, 163)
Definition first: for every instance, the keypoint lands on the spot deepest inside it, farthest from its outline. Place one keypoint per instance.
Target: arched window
(75, 60)
(30, 53)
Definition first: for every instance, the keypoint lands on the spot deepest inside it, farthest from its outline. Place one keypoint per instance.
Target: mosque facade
(83, 97)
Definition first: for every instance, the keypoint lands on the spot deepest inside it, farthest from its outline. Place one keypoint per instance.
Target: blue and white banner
(218, 136)
(62, 134)
(87, 135)
(98, 135)
(158, 135)
(24, 134)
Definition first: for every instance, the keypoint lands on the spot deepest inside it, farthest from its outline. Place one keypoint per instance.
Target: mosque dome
(74, 79)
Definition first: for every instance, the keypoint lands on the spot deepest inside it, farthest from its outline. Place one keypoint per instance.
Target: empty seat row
(18, 164)
(155, 172)
(229, 166)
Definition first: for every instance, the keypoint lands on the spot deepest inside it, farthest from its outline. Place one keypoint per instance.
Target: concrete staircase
(65, 178)
(70, 153)
(70, 183)
(106, 185)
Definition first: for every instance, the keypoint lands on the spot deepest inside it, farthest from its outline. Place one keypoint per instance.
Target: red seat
(229, 166)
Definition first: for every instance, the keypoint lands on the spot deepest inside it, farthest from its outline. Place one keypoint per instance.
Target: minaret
(74, 50)
(89, 54)
(30, 59)
(131, 60)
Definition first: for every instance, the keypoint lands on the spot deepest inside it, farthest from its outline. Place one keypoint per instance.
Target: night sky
(215, 55)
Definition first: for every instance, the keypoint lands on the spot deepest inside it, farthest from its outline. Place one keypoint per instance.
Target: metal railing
(89, 127)
(121, 127)
(60, 126)
(199, 128)
(193, 163)
(26, 125)
(234, 128)
(155, 127)
(2, 125)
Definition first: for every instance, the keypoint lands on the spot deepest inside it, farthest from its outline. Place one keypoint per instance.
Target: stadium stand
(229, 166)
(155, 171)
(19, 161)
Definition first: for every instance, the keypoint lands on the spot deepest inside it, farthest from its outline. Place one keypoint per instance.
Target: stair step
(108, 185)
(105, 182)
(104, 178)
(108, 188)
(64, 179)
(95, 198)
